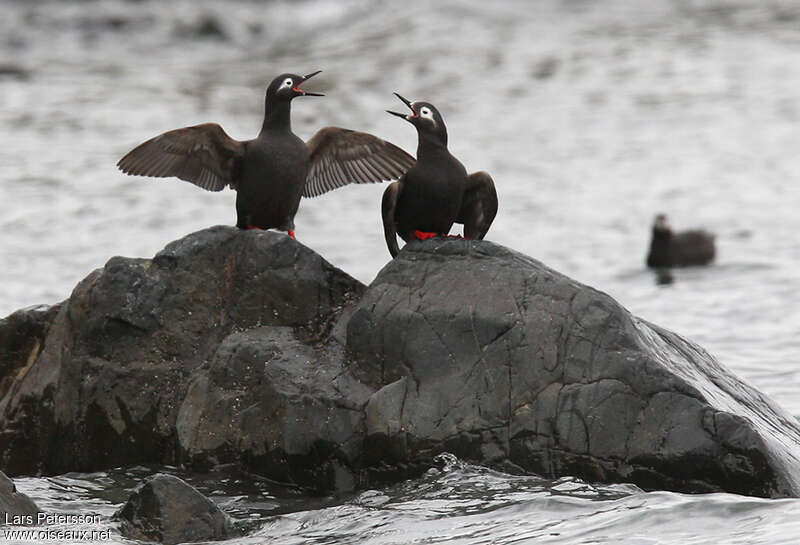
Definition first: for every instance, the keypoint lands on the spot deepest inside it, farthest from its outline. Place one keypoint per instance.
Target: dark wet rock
(533, 368)
(114, 370)
(287, 409)
(15, 506)
(248, 348)
(167, 510)
(22, 337)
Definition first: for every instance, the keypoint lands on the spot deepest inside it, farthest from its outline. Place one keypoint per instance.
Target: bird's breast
(272, 161)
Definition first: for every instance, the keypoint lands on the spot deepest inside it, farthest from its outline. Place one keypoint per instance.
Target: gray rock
(22, 336)
(166, 509)
(286, 409)
(15, 507)
(109, 380)
(249, 348)
(492, 356)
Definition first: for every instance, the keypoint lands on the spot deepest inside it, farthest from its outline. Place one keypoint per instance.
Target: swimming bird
(273, 171)
(436, 192)
(668, 249)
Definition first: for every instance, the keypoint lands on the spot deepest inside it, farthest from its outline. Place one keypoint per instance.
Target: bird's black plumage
(436, 192)
(273, 171)
(669, 249)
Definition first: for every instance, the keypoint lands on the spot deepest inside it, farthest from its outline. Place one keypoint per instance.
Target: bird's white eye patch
(426, 112)
(288, 82)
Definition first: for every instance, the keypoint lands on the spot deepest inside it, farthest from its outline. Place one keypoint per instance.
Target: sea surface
(592, 117)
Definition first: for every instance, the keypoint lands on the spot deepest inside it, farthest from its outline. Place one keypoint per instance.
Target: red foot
(291, 234)
(424, 235)
(254, 227)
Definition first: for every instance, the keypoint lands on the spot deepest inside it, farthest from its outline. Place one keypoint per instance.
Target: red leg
(291, 234)
(424, 235)
(249, 227)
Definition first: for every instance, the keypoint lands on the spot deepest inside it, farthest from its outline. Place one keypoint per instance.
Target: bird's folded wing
(341, 156)
(202, 154)
(388, 207)
(478, 206)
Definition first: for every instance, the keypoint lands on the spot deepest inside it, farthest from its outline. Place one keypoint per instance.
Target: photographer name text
(50, 519)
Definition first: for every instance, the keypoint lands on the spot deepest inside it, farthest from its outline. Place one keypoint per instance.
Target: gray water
(591, 117)
(456, 503)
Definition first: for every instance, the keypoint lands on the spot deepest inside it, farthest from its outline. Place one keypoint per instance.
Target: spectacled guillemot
(271, 172)
(668, 249)
(436, 192)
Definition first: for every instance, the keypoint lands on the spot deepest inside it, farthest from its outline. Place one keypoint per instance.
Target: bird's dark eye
(287, 82)
(425, 111)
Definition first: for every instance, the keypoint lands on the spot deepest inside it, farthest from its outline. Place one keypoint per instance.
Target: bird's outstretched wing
(341, 156)
(478, 206)
(388, 205)
(202, 154)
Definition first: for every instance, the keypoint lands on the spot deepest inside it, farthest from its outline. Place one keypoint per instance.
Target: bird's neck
(662, 235)
(431, 146)
(277, 116)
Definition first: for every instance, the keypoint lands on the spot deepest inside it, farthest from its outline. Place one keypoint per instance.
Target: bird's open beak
(410, 107)
(303, 92)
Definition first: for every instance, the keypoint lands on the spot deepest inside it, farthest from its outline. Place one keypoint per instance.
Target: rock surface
(492, 356)
(247, 347)
(14, 504)
(106, 387)
(22, 336)
(166, 509)
(288, 410)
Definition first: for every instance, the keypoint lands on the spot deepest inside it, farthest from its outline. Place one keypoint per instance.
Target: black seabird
(436, 192)
(271, 172)
(668, 249)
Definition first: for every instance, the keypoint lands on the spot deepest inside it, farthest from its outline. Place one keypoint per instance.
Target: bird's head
(661, 227)
(425, 117)
(287, 86)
